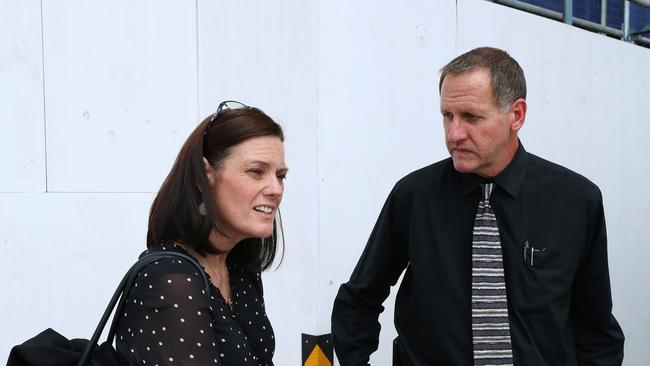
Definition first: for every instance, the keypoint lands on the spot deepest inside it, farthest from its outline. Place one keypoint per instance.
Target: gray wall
(97, 97)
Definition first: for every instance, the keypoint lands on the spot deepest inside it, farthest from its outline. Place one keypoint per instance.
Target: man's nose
(456, 131)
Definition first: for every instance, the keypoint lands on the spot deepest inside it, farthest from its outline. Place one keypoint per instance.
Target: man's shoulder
(552, 173)
(421, 182)
(428, 175)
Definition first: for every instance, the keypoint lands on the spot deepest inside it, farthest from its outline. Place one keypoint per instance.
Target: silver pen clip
(530, 250)
(532, 254)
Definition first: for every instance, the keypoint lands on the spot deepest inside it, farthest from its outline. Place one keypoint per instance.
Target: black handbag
(50, 348)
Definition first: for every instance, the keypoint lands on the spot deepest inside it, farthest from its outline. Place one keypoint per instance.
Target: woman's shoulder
(172, 262)
(170, 269)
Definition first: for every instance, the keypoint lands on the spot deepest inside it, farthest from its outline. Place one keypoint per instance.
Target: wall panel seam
(44, 99)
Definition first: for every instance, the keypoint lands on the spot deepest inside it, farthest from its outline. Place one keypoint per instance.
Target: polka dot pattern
(172, 321)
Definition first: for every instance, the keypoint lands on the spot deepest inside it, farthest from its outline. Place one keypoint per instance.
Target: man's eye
(256, 172)
(471, 117)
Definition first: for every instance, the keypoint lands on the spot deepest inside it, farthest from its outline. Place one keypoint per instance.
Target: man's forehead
(466, 90)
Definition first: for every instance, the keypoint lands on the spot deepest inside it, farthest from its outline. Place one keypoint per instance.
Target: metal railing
(639, 37)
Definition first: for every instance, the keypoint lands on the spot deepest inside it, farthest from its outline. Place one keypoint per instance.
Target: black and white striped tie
(490, 326)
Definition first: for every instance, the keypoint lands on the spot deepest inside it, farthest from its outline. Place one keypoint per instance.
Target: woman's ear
(209, 171)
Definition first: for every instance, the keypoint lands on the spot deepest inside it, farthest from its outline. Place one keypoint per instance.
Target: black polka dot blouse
(168, 319)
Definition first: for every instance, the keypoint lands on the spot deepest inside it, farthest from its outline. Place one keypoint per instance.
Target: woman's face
(248, 189)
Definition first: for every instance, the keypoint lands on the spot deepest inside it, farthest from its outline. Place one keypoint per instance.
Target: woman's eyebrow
(264, 164)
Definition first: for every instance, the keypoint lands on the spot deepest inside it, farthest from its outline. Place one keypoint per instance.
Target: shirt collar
(510, 179)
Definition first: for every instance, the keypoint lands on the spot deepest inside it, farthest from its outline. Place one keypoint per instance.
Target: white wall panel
(588, 110)
(355, 86)
(379, 120)
(61, 258)
(264, 54)
(22, 150)
(120, 88)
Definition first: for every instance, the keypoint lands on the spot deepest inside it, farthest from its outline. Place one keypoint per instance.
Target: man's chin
(463, 166)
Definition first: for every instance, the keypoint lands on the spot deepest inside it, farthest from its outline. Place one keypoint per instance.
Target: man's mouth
(461, 150)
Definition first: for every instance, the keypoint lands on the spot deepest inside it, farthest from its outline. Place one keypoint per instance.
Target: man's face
(480, 138)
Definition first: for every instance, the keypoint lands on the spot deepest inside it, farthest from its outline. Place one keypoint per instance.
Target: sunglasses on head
(228, 104)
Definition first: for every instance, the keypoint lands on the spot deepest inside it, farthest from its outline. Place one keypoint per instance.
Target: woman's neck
(213, 261)
(216, 261)
(216, 268)
(222, 242)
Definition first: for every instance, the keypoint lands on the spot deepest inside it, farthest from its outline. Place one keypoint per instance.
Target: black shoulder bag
(52, 349)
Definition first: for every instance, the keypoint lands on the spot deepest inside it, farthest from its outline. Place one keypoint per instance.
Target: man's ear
(519, 108)
(209, 170)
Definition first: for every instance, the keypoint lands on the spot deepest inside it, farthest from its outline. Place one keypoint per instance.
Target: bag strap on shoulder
(122, 291)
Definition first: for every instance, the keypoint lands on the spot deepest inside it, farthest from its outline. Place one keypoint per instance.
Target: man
(505, 253)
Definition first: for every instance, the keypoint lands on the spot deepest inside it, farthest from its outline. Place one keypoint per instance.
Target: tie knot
(486, 191)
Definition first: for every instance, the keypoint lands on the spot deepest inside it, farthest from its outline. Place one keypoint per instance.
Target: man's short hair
(508, 80)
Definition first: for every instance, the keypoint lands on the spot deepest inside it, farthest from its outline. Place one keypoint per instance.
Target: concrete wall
(97, 97)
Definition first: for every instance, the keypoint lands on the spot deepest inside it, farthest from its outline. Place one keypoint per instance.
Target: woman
(218, 205)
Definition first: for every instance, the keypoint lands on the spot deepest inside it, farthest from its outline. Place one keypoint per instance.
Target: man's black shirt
(559, 305)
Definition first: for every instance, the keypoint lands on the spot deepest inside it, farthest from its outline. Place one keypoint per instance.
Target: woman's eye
(282, 177)
(256, 172)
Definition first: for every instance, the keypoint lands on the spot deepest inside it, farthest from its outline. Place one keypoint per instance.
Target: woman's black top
(168, 319)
